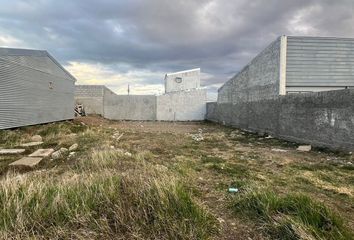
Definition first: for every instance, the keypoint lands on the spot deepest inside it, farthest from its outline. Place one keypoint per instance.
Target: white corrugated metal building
(292, 65)
(34, 89)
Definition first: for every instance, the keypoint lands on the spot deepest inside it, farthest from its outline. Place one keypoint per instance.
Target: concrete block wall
(260, 79)
(91, 97)
(182, 106)
(129, 107)
(324, 119)
(188, 105)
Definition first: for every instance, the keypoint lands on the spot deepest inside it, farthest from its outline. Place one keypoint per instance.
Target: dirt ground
(235, 158)
(213, 158)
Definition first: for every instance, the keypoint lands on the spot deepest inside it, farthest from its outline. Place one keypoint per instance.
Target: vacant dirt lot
(157, 180)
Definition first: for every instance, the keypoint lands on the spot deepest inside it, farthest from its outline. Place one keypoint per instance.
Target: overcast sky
(115, 42)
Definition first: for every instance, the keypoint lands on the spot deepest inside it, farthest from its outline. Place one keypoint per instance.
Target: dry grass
(156, 182)
(96, 199)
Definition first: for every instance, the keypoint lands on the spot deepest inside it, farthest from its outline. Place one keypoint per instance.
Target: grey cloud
(220, 36)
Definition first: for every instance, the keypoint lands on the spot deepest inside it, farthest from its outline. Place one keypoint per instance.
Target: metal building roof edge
(33, 52)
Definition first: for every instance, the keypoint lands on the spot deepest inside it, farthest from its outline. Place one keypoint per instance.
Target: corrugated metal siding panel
(313, 61)
(42, 63)
(26, 98)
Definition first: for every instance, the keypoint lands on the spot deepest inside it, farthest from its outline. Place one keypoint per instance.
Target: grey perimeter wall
(91, 97)
(133, 107)
(258, 80)
(182, 106)
(323, 119)
(188, 105)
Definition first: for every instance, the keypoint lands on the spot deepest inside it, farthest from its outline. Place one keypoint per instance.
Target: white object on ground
(73, 147)
(304, 148)
(278, 150)
(31, 144)
(11, 151)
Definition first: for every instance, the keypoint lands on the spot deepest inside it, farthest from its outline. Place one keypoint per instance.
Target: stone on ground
(304, 148)
(42, 153)
(278, 150)
(36, 138)
(73, 147)
(27, 162)
(60, 153)
(31, 144)
(11, 151)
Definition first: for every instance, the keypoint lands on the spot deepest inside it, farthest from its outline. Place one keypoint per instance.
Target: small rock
(71, 155)
(64, 150)
(112, 147)
(56, 154)
(278, 150)
(304, 148)
(36, 138)
(197, 137)
(73, 147)
(60, 153)
(128, 154)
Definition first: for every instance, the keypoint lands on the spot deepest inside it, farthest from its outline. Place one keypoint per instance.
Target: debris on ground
(73, 147)
(27, 162)
(279, 150)
(59, 153)
(128, 154)
(199, 136)
(220, 220)
(36, 138)
(31, 144)
(304, 148)
(11, 151)
(117, 136)
(71, 155)
(42, 153)
(233, 190)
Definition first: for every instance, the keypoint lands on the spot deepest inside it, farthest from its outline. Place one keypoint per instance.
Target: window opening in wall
(178, 80)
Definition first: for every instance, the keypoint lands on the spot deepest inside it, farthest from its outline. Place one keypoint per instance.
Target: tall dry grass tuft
(108, 195)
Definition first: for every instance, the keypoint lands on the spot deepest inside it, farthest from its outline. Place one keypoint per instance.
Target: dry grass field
(156, 180)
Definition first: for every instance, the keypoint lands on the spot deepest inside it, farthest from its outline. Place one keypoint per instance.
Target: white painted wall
(184, 80)
(182, 106)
